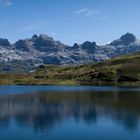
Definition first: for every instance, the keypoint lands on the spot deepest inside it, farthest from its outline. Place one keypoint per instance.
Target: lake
(69, 113)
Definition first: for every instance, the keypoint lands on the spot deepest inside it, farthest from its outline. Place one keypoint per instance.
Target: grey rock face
(21, 45)
(126, 39)
(4, 42)
(43, 49)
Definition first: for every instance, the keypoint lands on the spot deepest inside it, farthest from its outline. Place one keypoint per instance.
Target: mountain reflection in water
(42, 111)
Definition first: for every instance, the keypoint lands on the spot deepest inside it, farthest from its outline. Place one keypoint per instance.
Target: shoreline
(76, 83)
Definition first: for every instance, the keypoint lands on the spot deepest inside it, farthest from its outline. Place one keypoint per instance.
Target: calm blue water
(69, 113)
(29, 89)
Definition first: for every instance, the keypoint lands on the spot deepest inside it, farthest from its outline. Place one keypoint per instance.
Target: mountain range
(27, 54)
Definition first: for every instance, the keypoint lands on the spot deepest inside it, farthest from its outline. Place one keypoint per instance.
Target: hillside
(118, 70)
(123, 70)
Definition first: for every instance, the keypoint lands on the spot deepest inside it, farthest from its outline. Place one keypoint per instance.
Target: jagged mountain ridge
(29, 53)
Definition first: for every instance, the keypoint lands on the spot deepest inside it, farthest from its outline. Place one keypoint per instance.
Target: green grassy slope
(124, 70)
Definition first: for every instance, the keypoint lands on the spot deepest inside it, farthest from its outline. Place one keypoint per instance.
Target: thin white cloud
(81, 11)
(6, 2)
(92, 12)
(86, 12)
(33, 27)
(89, 13)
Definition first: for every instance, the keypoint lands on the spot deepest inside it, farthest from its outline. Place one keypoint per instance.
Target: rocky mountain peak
(45, 37)
(4, 42)
(125, 39)
(34, 36)
(128, 38)
(88, 45)
(21, 45)
(43, 40)
(76, 46)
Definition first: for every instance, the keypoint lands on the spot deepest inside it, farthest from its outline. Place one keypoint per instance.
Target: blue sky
(69, 20)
